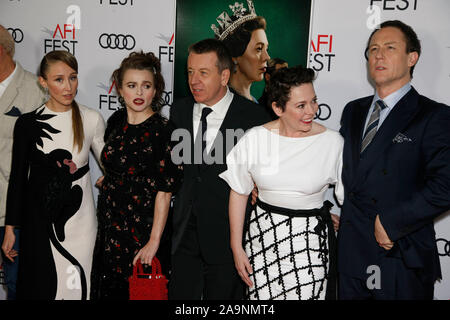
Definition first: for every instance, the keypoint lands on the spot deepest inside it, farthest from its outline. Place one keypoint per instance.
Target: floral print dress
(137, 164)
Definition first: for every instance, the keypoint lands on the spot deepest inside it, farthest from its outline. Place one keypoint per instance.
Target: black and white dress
(289, 254)
(53, 204)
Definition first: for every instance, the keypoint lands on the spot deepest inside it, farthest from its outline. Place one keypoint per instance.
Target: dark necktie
(203, 125)
(372, 125)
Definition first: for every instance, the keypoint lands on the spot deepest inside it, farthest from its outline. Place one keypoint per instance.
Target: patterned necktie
(203, 125)
(372, 126)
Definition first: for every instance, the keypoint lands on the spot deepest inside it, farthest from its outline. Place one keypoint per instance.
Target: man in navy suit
(396, 174)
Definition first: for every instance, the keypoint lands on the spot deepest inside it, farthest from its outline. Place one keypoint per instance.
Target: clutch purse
(148, 286)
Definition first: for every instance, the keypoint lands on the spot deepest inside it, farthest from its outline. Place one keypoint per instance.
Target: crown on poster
(228, 24)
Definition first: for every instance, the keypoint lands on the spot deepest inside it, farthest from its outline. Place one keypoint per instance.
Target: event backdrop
(108, 30)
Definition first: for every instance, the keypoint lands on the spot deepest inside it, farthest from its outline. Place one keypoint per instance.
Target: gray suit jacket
(22, 95)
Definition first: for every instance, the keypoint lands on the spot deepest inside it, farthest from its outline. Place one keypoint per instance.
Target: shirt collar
(219, 110)
(392, 99)
(5, 83)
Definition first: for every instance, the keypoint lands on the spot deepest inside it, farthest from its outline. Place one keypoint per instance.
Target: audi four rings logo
(17, 34)
(324, 112)
(117, 41)
(166, 98)
(443, 247)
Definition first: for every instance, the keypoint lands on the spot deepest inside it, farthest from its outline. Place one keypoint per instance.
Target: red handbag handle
(138, 268)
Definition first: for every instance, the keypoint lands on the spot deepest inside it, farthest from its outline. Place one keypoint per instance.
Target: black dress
(137, 164)
(50, 200)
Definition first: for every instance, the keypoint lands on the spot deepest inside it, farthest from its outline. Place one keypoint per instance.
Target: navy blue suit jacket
(403, 176)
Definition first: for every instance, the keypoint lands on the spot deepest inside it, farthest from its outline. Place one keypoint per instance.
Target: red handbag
(145, 286)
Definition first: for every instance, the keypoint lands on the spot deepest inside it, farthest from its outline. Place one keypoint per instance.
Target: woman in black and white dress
(289, 240)
(50, 192)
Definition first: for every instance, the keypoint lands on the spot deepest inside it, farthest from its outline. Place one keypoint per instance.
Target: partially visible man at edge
(19, 93)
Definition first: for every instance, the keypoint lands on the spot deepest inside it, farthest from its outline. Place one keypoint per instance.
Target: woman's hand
(243, 266)
(147, 252)
(335, 218)
(254, 194)
(99, 182)
(8, 243)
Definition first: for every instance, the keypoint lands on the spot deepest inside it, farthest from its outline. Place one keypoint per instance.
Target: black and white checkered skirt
(289, 253)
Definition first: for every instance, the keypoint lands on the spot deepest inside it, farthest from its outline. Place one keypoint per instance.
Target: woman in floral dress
(139, 180)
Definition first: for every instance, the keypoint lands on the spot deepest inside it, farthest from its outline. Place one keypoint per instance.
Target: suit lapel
(358, 121)
(229, 122)
(189, 120)
(11, 91)
(7, 98)
(397, 120)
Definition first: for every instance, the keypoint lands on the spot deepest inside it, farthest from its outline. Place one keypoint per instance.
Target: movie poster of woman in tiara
(283, 29)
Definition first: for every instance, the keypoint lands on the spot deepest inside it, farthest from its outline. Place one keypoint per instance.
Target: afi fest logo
(166, 54)
(16, 34)
(108, 101)
(374, 11)
(321, 59)
(391, 5)
(166, 51)
(117, 2)
(322, 54)
(63, 36)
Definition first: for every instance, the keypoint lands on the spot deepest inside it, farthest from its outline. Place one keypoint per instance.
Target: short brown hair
(282, 81)
(224, 60)
(411, 39)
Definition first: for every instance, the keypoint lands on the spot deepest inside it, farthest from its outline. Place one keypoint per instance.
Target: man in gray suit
(19, 93)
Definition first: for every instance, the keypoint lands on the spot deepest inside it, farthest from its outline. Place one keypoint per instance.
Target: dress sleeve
(339, 186)
(169, 175)
(237, 174)
(98, 141)
(18, 179)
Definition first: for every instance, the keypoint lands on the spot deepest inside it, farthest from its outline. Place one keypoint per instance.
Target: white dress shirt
(214, 119)
(5, 83)
(390, 101)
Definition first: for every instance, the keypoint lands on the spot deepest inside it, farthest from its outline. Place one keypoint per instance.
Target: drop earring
(122, 101)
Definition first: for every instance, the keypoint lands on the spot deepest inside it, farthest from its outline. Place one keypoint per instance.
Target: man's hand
(381, 235)
(8, 243)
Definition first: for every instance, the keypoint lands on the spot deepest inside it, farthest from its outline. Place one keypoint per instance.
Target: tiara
(228, 24)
